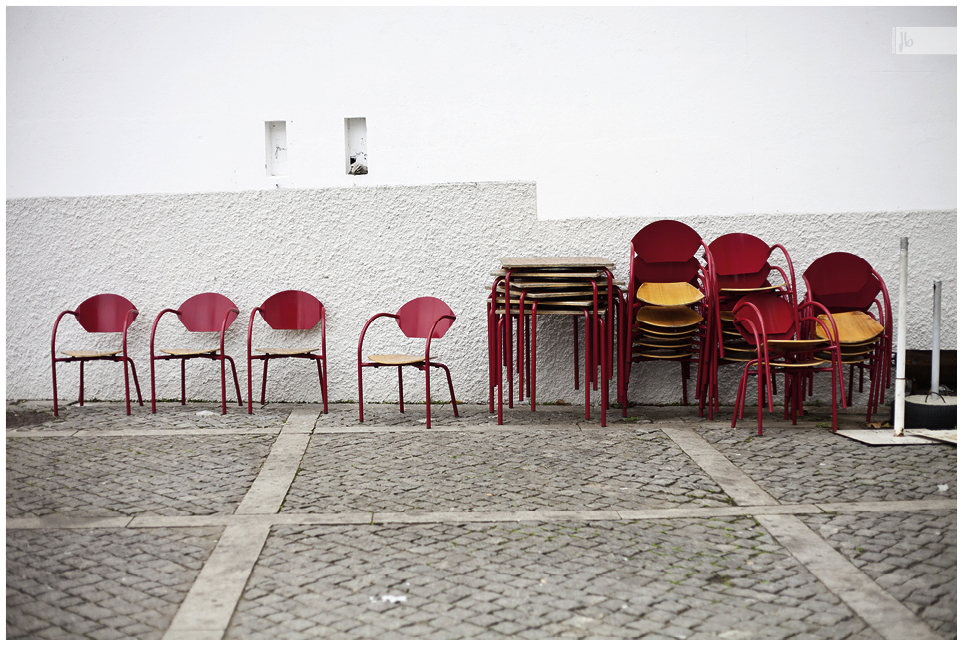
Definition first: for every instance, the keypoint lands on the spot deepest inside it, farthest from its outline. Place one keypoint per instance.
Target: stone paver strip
(269, 489)
(213, 597)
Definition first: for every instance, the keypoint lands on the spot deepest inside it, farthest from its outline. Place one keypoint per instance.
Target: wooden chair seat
(186, 352)
(669, 294)
(669, 316)
(655, 343)
(89, 354)
(794, 345)
(663, 354)
(665, 332)
(285, 352)
(396, 359)
(853, 326)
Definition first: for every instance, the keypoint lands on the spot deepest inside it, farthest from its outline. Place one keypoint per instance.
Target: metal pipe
(935, 366)
(899, 406)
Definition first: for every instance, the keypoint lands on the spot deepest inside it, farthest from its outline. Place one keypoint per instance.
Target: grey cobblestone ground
(912, 556)
(798, 465)
(600, 469)
(679, 579)
(114, 523)
(120, 475)
(101, 583)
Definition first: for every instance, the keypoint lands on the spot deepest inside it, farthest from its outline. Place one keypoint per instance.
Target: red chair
(288, 310)
(106, 312)
(422, 318)
(205, 312)
(843, 282)
(664, 252)
(741, 264)
(774, 327)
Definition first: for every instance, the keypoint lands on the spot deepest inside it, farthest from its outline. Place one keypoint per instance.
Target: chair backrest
(205, 312)
(664, 251)
(842, 282)
(292, 310)
(666, 241)
(105, 312)
(739, 254)
(416, 317)
(779, 318)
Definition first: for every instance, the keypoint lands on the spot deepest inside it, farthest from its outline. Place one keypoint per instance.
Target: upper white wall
(638, 112)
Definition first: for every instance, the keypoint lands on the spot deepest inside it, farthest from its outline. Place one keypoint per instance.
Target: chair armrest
(431, 333)
(53, 337)
(364, 329)
(153, 329)
(224, 325)
(128, 320)
(250, 330)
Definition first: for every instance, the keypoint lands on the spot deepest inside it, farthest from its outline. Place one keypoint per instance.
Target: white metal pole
(899, 405)
(935, 371)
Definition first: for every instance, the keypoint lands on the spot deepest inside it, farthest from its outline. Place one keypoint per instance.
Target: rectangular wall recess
(276, 141)
(355, 146)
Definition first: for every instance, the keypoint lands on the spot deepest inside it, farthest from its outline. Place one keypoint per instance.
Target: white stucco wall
(136, 161)
(365, 250)
(614, 112)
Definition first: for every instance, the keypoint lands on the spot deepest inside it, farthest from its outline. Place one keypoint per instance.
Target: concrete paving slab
(886, 437)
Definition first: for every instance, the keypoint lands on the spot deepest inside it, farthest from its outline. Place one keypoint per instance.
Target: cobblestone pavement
(293, 524)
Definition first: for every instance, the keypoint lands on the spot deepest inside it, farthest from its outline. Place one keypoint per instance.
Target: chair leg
(324, 387)
(531, 371)
(81, 398)
(126, 384)
(53, 370)
(264, 382)
(451, 390)
(759, 384)
(427, 369)
(401, 392)
(153, 392)
(223, 388)
(250, 383)
(183, 382)
(360, 394)
(237, 385)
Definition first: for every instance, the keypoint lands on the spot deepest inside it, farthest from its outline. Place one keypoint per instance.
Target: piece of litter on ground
(204, 414)
(388, 598)
(942, 488)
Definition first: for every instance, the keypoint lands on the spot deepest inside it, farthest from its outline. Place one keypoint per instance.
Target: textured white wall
(615, 112)
(365, 250)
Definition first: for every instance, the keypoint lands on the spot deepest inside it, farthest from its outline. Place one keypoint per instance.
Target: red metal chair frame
(428, 318)
(288, 310)
(845, 282)
(742, 261)
(103, 313)
(765, 317)
(205, 312)
(665, 251)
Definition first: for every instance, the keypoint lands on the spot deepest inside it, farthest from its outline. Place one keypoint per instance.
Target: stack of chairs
(855, 294)
(667, 311)
(743, 264)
